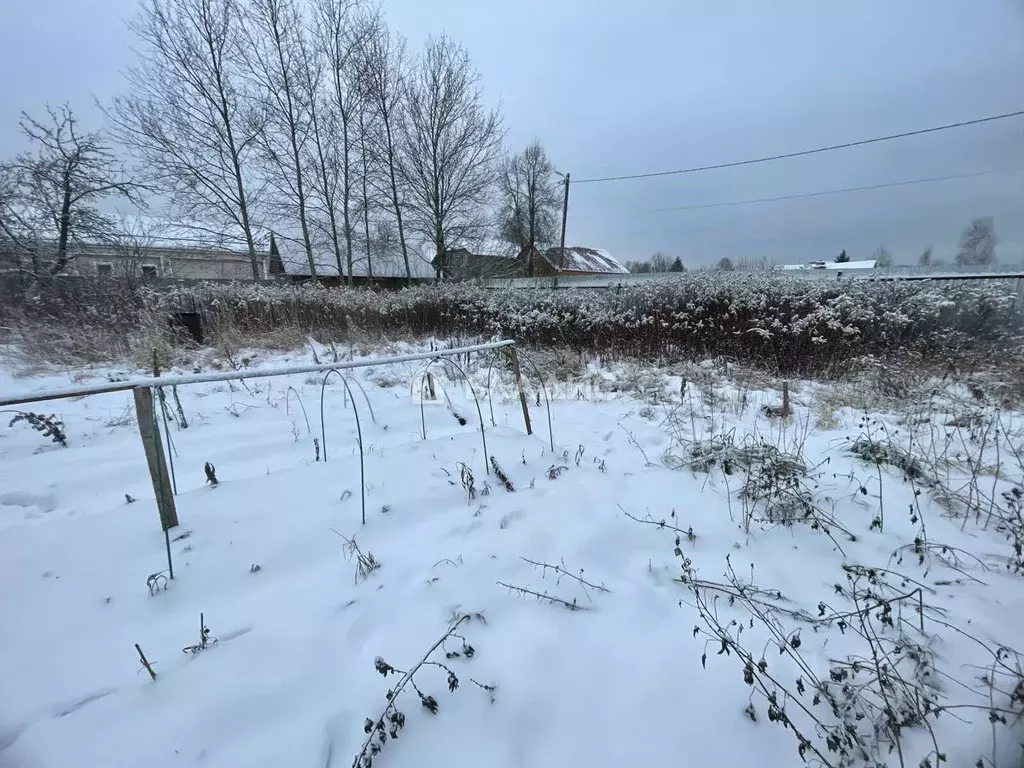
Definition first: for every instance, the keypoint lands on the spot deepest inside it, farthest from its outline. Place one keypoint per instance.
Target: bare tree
(452, 141)
(383, 86)
(364, 182)
(49, 195)
(186, 115)
(133, 248)
(278, 62)
(18, 225)
(978, 243)
(324, 161)
(658, 262)
(661, 262)
(883, 259)
(341, 29)
(529, 201)
(382, 242)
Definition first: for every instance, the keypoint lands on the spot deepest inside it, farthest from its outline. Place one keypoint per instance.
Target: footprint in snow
(9, 735)
(34, 504)
(221, 639)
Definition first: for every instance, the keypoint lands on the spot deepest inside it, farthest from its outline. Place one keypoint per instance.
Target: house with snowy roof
(499, 259)
(484, 258)
(574, 261)
(378, 262)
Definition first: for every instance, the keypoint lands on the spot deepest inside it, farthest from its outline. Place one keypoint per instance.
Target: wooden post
(561, 250)
(785, 399)
(519, 385)
(153, 447)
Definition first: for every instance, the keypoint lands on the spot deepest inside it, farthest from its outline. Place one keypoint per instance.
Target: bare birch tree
(49, 195)
(450, 147)
(529, 201)
(276, 57)
(383, 86)
(186, 115)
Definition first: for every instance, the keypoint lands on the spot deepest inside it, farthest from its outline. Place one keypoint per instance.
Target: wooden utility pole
(153, 446)
(565, 216)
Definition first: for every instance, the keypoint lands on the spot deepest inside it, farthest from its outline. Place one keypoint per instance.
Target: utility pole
(565, 215)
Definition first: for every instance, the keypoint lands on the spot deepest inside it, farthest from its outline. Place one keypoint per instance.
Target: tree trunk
(394, 199)
(300, 193)
(335, 243)
(366, 194)
(249, 243)
(65, 228)
(293, 131)
(346, 190)
(332, 218)
(401, 227)
(439, 259)
(236, 165)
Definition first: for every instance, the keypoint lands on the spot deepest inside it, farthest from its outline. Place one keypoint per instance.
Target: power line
(821, 193)
(802, 153)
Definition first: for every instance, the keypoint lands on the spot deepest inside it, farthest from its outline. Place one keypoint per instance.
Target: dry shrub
(789, 326)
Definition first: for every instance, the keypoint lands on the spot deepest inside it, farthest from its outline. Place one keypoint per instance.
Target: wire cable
(802, 195)
(804, 152)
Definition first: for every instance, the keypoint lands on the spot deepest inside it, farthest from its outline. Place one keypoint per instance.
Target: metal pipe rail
(253, 373)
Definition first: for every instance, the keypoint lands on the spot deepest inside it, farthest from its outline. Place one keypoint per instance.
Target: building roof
(487, 247)
(581, 259)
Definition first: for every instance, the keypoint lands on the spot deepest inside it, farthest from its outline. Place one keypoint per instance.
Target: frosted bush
(787, 324)
(790, 324)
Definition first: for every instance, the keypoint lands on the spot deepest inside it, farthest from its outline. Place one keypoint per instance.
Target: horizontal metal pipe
(254, 373)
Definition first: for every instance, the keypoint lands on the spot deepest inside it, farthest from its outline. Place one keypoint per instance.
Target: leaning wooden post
(153, 447)
(519, 385)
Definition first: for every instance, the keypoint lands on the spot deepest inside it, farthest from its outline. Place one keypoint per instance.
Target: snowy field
(687, 579)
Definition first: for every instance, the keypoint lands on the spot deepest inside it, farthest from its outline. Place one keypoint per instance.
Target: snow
(581, 259)
(291, 679)
(829, 265)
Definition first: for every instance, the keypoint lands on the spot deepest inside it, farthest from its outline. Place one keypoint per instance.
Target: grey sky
(613, 88)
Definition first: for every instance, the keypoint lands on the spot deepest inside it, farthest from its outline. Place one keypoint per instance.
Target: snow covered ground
(291, 679)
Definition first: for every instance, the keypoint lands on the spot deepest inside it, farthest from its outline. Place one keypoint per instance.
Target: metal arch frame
(359, 433)
(476, 401)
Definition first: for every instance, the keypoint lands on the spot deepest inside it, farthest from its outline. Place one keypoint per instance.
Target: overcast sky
(615, 88)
